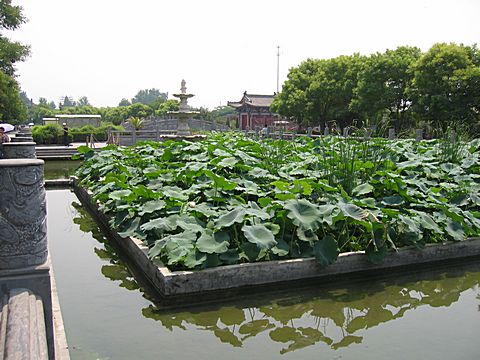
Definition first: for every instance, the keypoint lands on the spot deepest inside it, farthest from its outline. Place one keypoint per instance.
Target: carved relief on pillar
(23, 228)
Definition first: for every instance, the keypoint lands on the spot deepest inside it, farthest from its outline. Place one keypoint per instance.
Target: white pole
(278, 67)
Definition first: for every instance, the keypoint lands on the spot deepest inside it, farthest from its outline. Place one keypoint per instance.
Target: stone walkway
(60, 152)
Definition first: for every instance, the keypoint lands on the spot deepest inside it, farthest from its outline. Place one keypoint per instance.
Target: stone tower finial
(183, 88)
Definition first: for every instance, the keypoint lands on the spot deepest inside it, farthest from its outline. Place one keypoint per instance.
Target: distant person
(4, 138)
(66, 140)
(264, 131)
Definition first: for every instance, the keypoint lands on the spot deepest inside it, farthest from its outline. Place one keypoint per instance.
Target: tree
(139, 110)
(319, 91)
(12, 109)
(85, 109)
(115, 115)
(83, 101)
(38, 112)
(124, 102)
(166, 106)
(135, 122)
(383, 82)
(149, 96)
(293, 101)
(47, 104)
(446, 86)
(11, 52)
(223, 114)
(66, 103)
(26, 100)
(203, 113)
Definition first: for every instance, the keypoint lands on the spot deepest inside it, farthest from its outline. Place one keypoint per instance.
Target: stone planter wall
(172, 284)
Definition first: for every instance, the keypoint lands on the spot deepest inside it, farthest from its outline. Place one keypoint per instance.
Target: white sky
(110, 49)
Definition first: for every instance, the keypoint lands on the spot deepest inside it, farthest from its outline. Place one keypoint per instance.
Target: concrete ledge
(183, 283)
(61, 346)
(55, 157)
(21, 162)
(58, 183)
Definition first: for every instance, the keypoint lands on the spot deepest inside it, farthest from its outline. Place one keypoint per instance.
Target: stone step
(22, 326)
(55, 152)
(55, 157)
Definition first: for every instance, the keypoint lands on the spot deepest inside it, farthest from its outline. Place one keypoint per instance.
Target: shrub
(47, 134)
(100, 133)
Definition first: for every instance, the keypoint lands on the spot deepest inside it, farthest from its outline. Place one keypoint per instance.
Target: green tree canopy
(38, 112)
(25, 99)
(383, 82)
(440, 87)
(319, 91)
(12, 108)
(166, 106)
(11, 52)
(149, 96)
(124, 102)
(66, 102)
(83, 101)
(446, 86)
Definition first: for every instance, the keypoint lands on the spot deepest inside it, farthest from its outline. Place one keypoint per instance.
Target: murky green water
(432, 314)
(60, 169)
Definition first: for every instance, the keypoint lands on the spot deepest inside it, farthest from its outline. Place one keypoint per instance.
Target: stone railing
(19, 150)
(22, 326)
(27, 330)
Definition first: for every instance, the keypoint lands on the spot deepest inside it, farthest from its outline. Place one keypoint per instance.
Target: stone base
(183, 128)
(22, 326)
(202, 284)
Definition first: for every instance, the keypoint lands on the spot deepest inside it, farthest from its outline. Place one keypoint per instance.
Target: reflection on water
(60, 169)
(333, 317)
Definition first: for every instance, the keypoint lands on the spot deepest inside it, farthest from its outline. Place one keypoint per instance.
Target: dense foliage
(231, 199)
(436, 89)
(12, 109)
(53, 133)
(47, 134)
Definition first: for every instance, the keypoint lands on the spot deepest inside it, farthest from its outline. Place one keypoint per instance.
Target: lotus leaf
(259, 235)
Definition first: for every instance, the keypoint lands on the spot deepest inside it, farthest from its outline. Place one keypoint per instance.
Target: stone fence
(27, 329)
(280, 133)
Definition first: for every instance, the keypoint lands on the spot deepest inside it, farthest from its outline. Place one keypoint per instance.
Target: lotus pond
(230, 199)
(428, 314)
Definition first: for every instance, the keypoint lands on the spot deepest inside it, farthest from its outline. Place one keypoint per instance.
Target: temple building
(254, 111)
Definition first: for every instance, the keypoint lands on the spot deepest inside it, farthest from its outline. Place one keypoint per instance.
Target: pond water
(60, 169)
(430, 314)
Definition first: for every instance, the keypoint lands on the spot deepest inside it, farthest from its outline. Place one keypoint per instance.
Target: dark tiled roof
(234, 104)
(253, 100)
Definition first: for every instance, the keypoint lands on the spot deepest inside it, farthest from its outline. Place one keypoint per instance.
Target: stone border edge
(60, 338)
(230, 277)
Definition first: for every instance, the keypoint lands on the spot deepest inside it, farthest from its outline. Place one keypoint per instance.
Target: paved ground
(97, 145)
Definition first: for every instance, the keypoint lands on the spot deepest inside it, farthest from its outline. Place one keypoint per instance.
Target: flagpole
(278, 67)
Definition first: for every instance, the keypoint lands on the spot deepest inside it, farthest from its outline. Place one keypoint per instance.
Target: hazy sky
(109, 49)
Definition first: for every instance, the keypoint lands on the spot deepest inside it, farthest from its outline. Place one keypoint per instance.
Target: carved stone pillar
(23, 227)
(391, 134)
(19, 150)
(419, 135)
